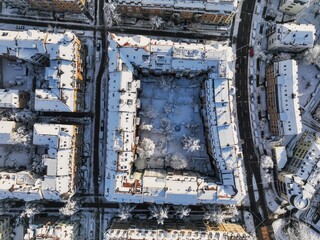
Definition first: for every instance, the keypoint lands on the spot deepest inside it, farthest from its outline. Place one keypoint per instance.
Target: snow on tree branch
(214, 214)
(21, 136)
(191, 144)
(159, 212)
(176, 161)
(146, 148)
(157, 22)
(146, 127)
(183, 211)
(70, 208)
(124, 211)
(111, 14)
(266, 162)
(32, 208)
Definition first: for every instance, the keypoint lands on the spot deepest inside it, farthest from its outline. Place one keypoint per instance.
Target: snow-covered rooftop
(46, 228)
(301, 173)
(181, 5)
(288, 101)
(62, 52)
(292, 37)
(9, 98)
(61, 142)
(6, 129)
(157, 56)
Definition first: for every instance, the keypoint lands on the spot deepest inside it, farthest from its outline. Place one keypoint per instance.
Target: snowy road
(250, 159)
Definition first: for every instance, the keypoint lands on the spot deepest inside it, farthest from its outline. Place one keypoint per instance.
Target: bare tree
(232, 210)
(31, 209)
(21, 136)
(190, 144)
(214, 214)
(124, 211)
(111, 14)
(183, 211)
(70, 208)
(176, 161)
(159, 212)
(300, 231)
(266, 162)
(146, 148)
(156, 22)
(37, 164)
(5, 205)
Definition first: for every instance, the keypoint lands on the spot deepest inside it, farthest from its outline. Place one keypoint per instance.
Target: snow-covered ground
(17, 75)
(13, 156)
(308, 83)
(170, 111)
(249, 224)
(277, 228)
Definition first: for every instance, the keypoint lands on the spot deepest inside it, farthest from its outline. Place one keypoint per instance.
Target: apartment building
(61, 56)
(282, 100)
(174, 229)
(47, 228)
(292, 7)
(74, 6)
(10, 98)
(291, 37)
(61, 149)
(299, 180)
(206, 12)
(7, 129)
(159, 57)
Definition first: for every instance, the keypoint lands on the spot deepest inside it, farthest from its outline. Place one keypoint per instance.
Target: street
(250, 159)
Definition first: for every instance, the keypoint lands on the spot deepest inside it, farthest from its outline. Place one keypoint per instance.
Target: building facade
(291, 37)
(292, 7)
(5, 228)
(10, 98)
(299, 180)
(61, 56)
(206, 12)
(174, 229)
(52, 228)
(74, 6)
(282, 100)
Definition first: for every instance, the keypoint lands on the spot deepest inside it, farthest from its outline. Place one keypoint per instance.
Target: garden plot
(171, 126)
